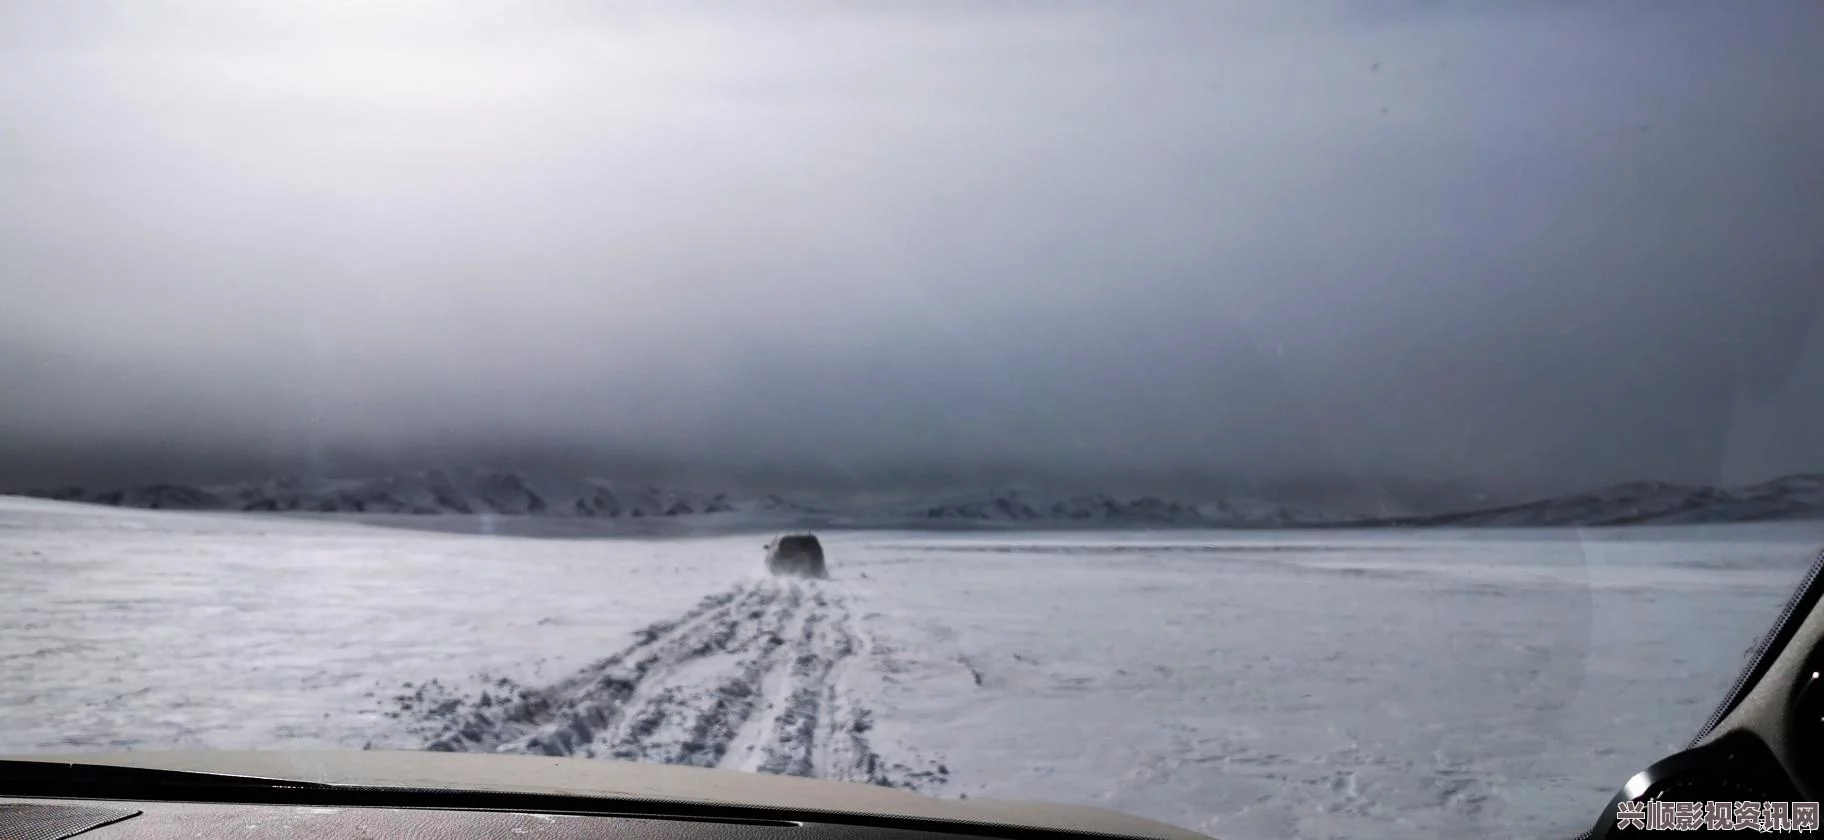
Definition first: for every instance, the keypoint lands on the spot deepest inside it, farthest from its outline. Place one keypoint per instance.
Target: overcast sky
(1409, 250)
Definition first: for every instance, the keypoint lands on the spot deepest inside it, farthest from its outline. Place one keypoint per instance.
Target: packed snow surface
(1257, 685)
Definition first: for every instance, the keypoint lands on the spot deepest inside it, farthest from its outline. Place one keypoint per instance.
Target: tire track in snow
(754, 743)
(692, 709)
(749, 679)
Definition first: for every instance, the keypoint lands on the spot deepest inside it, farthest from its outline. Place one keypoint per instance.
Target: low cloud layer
(1414, 254)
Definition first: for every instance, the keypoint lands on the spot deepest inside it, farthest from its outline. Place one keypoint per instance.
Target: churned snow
(1246, 685)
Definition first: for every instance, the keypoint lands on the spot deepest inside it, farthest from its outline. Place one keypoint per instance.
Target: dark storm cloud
(1410, 249)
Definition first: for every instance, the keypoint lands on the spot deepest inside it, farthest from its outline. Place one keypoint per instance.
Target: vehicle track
(748, 679)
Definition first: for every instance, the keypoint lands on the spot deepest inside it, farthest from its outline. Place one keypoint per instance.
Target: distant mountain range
(512, 493)
(1649, 503)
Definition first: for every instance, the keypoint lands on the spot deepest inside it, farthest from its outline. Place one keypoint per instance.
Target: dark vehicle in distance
(796, 555)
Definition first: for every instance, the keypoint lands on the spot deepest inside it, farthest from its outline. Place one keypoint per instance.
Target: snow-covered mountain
(503, 492)
(1650, 503)
(1026, 507)
(513, 493)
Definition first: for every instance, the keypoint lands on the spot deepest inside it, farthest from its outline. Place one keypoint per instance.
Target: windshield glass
(1278, 420)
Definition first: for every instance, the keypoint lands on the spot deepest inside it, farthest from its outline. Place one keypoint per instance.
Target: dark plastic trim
(1736, 751)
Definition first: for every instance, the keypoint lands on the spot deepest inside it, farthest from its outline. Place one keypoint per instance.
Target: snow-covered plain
(1246, 685)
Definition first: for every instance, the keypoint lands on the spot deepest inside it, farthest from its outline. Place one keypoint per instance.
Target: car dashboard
(52, 819)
